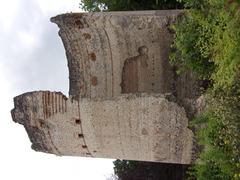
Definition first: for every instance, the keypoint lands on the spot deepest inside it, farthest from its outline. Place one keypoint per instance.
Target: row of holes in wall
(78, 121)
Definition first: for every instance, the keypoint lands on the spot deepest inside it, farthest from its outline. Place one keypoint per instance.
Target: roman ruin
(125, 99)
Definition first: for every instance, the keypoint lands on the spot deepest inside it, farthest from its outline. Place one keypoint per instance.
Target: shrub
(207, 41)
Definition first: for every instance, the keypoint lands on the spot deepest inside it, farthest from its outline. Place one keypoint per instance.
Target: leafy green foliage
(128, 5)
(122, 167)
(208, 42)
(195, 42)
(140, 170)
(220, 136)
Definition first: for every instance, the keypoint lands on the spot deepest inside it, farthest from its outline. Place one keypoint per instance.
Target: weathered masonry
(125, 100)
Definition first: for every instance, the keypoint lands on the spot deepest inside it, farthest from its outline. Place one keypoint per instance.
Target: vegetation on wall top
(129, 5)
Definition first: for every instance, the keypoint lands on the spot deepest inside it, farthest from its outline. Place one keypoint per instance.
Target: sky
(32, 57)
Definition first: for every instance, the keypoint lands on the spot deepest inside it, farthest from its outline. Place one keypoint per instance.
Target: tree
(129, 5)
(140, 170)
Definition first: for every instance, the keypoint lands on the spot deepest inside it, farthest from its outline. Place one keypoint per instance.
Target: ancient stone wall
(125, 100)
(99, 45)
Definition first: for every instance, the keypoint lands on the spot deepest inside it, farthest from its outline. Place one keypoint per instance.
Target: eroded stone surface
(125, 100)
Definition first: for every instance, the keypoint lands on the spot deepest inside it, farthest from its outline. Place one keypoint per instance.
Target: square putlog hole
(80, 135)
(77, 121)
(84, 146)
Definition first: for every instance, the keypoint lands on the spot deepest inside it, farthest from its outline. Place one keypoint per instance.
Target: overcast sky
(32, 57)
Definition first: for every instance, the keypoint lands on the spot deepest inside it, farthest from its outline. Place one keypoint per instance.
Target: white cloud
(32, 57)
(27, 39)
(47, 6)
(8, 11)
